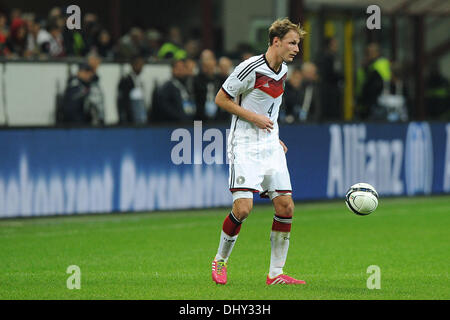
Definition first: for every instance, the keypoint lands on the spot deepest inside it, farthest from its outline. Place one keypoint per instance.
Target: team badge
(240, 180)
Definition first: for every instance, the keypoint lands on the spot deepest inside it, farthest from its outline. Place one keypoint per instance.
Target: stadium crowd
(24, 35)
(313, 91)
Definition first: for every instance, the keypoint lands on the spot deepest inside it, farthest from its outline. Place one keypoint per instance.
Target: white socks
(226, 245)
(280, 245)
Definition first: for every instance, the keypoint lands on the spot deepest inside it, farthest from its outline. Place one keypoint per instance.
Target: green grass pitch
(167, 255)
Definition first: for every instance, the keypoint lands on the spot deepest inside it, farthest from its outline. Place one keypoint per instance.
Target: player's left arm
(285, 149)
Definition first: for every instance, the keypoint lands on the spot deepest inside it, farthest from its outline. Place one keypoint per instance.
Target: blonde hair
(281, 27)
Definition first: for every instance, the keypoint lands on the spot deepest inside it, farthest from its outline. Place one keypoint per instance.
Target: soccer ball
(361, 199)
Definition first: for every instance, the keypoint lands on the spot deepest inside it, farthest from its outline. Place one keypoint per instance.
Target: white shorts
(260, 170)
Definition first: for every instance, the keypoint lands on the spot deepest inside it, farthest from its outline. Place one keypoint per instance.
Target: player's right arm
(224, 101)
(240, 81)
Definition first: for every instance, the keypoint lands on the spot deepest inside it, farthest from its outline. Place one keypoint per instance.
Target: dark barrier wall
(66, 171)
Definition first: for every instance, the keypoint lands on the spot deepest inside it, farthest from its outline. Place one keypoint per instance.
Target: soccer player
(253, 94)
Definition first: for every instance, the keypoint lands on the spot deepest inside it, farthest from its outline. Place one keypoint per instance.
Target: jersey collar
(267, 63)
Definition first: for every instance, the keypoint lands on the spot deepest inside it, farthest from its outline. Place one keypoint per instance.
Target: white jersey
(257, 159)
(258, 88)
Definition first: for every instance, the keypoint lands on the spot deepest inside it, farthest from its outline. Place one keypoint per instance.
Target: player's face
(288, 46)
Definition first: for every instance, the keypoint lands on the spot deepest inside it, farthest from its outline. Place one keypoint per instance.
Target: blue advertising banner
(68, 171)
(397, 159)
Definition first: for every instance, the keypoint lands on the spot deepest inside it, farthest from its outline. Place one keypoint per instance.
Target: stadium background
(50, 167)
(43, 169)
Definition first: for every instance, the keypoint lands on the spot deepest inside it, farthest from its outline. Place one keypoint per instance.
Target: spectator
(207, 54)
(33, 31)
(174, 103)
(66, 36)
(54, 13)
(52, 43)
(191, 67)
(74, 42)
(35, 41)
(43, 37)
(437, 94)
(16, 43)
(206, 85)
(130, 100)
(28, 19)
(311, 105)
(225, 68)
(293, 97)
(15, 13)
(372, 77)
(90, 30)
(96, 96)
(331, 82)
(3, 24)
(192, 48)
(77, 108)
(104, 45)
(172, 48)
(394, 98)
(133, 44)
(94, 61)
(4, 32)
(191, 72)
(242, 52)
(154, 42)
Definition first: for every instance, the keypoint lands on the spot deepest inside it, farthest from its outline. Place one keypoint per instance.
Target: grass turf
(168, 255)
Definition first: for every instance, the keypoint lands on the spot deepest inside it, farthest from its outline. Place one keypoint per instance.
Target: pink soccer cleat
(219, 272)
(283, 279)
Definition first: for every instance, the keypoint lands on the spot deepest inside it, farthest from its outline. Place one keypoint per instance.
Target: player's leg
(244, 179)
(232, 225)
(280, 237)
(242, 205)
(280, 234)
(279, 190)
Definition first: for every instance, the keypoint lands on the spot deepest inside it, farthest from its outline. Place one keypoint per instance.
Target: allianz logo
(392, 166)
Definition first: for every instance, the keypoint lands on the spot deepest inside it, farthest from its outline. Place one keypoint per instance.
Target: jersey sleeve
(235, 84)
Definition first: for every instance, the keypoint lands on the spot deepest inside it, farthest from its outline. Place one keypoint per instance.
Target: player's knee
(285, 209)
(242, 210)
(241, 213)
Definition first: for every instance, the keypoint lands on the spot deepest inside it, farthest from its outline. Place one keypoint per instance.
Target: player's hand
(263, 122)
(285, 149)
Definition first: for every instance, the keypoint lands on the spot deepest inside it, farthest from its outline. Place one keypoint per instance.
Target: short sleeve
(236, 84)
